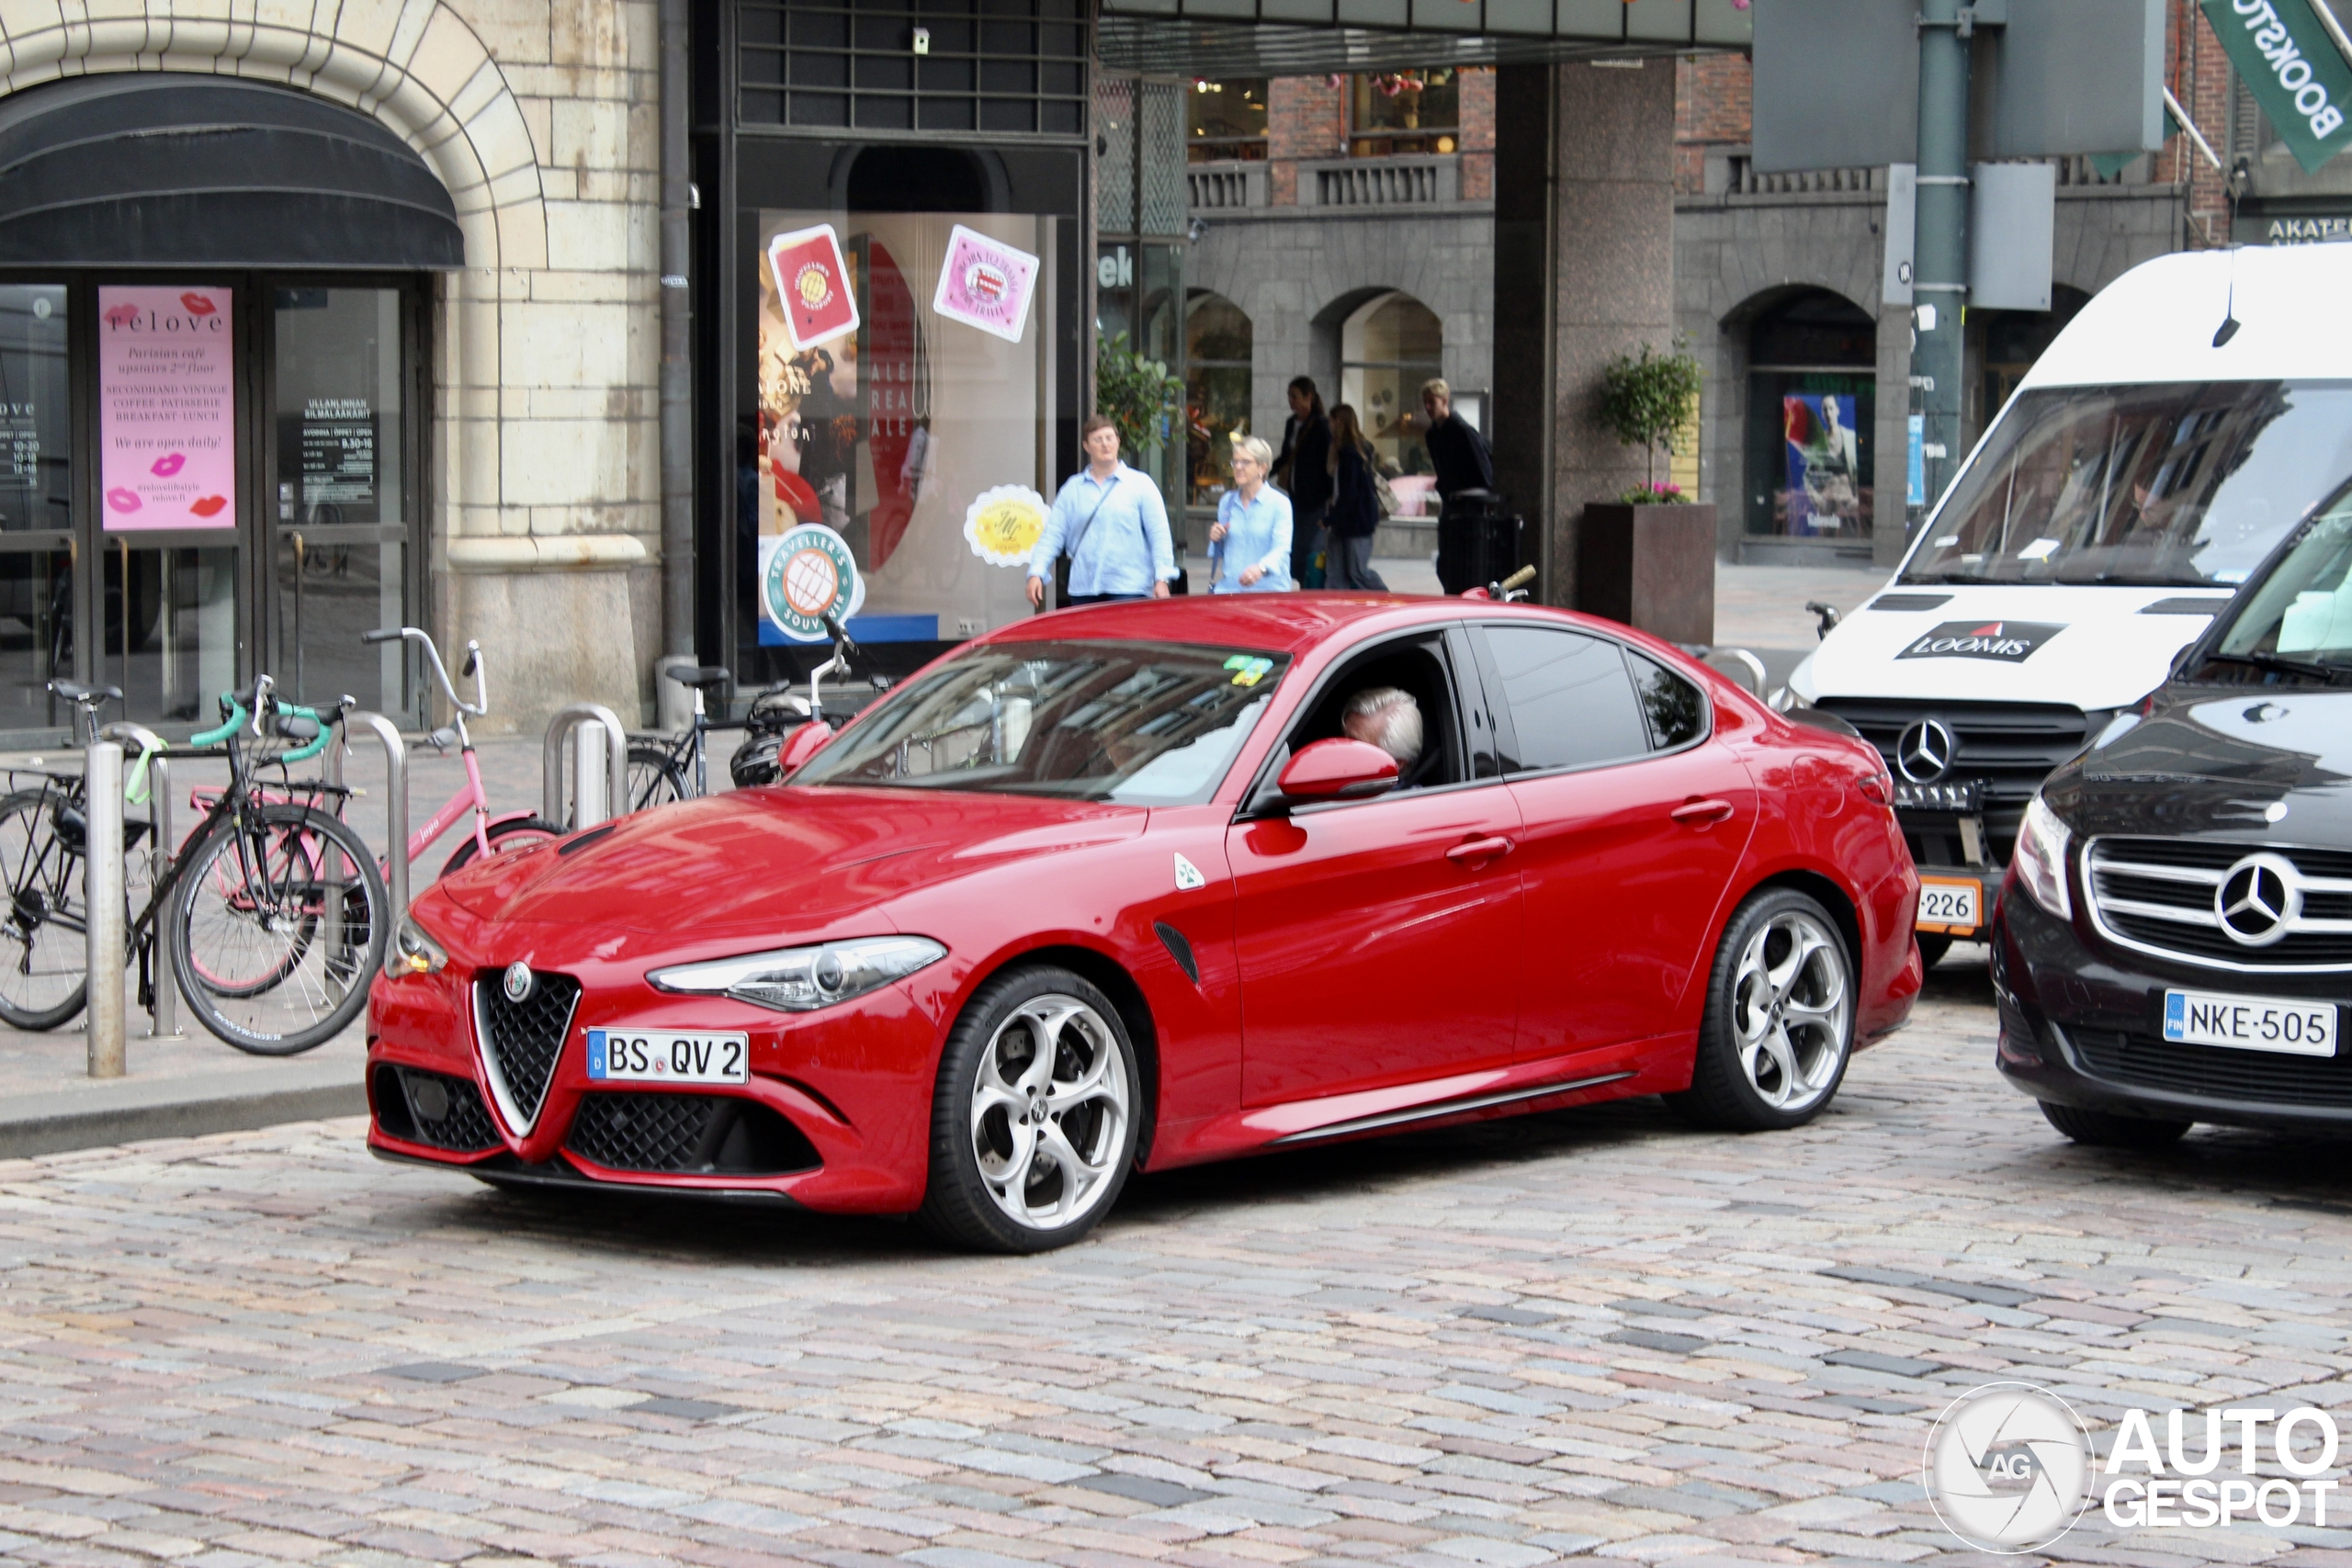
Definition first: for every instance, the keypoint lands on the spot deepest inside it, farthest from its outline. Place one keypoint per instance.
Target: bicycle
(492, 835)
(273, 911)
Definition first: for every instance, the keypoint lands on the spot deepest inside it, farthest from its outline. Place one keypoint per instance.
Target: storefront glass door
(36, 501)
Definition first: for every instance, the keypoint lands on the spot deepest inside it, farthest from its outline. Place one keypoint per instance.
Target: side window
(1677, 709)
(1570, 699)
(1417, 668)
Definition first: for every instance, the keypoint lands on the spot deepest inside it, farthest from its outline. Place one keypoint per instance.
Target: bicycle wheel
(504, 839)
(654, 777)
(249, 931)
(44, 948)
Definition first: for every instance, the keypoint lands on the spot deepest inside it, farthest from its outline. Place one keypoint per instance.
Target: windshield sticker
(1188, 875)
(2004, 642)
(2040, 549)
(1248, 672)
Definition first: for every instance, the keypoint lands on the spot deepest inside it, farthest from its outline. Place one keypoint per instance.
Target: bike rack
(102, 896)
(395, 808)
(591, 811)
(163, 1014)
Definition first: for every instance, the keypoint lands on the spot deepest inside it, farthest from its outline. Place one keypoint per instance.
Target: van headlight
(2041, 858)
(802, 979)
(413, 952)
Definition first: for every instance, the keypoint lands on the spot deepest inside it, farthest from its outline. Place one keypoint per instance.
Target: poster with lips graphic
(167, 429)
(984, 283)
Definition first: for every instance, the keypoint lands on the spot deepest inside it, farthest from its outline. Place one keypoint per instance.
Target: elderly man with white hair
(1249, 546)
(1389, 717)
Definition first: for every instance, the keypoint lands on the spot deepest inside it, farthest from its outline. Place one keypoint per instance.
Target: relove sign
(2295, 70)
(2006, 642)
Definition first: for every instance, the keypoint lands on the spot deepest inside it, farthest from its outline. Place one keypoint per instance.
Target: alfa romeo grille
(687, 1134)
(2244, 907)
(2255, 1077)
(445, 1113)
(2009, 747)
(521, 1041)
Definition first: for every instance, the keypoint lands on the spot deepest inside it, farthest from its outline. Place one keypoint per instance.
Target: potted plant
(1648, 557)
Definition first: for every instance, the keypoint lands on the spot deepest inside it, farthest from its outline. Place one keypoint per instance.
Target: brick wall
(1306, 118)
(1478, 135)
(2199, 76)
(1712, 97)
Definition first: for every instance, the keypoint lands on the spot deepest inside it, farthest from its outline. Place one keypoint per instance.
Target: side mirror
(806, 742)
(1337, 770)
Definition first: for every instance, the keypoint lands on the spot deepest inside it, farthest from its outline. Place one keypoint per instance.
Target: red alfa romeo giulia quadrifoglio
(1140, 885)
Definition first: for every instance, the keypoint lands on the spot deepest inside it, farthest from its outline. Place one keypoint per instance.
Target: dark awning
(173, 169)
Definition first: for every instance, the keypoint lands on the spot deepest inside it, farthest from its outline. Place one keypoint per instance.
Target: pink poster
(984, 283)
(167, 434)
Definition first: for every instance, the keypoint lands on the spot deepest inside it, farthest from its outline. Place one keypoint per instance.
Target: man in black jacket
(1303, 470)
(1458, 455)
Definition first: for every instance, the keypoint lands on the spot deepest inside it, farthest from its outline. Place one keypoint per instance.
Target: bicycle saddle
(74, 692)
(703, 675)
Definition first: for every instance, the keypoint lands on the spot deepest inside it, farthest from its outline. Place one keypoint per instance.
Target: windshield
(1139, 724)
(2171, 484)
(2301, 609)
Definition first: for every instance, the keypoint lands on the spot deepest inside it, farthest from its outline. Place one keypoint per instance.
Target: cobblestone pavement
(1583, 1332)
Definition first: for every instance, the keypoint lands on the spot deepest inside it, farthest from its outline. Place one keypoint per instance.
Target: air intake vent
(433, 1109)
(687, 1134)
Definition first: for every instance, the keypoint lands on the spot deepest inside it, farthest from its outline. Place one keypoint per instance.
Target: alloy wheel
(1792, 1005)
(1049, 1113)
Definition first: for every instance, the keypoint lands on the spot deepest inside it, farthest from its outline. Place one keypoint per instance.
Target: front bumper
(2081, 1025)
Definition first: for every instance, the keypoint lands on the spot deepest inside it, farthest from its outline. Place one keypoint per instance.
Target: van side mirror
(806, 742)
(1337, 770)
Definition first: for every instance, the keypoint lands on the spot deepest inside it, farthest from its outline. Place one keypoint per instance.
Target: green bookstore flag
(2298, 76)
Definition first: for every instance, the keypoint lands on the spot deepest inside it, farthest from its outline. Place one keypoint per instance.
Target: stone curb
(130, 1110)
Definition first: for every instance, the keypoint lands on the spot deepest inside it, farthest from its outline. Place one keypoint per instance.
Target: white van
(2146, 465)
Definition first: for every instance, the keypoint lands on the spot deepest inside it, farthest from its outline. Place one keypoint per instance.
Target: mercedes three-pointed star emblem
(1923, 752)
(2258, 899)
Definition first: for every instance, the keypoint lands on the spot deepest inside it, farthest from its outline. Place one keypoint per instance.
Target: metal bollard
(589, 801)
(395, 799)
(615, 763)
(102, 896)
(163, 1014)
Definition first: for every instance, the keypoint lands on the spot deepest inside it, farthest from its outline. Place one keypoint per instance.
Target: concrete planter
(1650, 567)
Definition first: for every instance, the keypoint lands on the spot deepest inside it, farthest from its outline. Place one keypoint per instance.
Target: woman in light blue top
(1250, 547)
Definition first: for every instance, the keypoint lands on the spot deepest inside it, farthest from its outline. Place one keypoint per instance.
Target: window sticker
(984, 283)
(1004, 524)
(812, 281)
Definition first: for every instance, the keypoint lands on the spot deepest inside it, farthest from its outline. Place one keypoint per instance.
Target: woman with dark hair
(1354, 516)
(1304, 471)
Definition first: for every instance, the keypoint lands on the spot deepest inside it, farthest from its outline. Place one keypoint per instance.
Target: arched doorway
(1811, 414)
(1218, 342)
(212, 295)
(1388, 346)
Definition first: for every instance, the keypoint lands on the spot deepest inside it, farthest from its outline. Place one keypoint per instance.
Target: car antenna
(2233, 186)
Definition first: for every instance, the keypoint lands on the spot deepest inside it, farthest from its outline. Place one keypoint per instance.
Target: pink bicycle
(493, 834)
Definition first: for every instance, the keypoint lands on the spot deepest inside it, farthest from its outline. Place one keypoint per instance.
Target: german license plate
(1948, 905)
(2250, 1023)
(668, 1056)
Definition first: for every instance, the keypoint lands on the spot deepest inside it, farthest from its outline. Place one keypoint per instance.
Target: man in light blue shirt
(1124, 552)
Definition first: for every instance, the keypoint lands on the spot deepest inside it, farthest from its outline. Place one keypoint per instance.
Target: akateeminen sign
(2295, 70)
(167, 428)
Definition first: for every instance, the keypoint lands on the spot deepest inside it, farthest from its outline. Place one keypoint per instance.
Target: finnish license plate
(1948, 905)
(2250, 1023)
(668, 1056)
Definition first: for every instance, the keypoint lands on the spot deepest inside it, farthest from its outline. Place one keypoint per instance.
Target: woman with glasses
(1249, 546)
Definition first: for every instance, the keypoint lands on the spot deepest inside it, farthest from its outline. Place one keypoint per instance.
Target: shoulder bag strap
(1071, 549)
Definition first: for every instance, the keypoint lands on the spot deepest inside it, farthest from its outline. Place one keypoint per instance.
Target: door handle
(1476, 852)
(1702, 813)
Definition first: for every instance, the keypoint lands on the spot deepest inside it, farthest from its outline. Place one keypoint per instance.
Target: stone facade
(538, 116)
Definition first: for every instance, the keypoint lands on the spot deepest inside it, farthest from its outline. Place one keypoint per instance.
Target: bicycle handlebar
(240, 715)
(479, 707)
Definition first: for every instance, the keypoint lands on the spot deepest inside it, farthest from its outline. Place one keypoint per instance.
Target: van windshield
(2186, 484)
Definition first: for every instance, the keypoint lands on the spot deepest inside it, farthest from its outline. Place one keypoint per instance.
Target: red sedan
(1136, 886)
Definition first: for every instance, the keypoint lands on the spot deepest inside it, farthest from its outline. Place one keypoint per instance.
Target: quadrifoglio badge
(2009, 1468)
(2007, 642)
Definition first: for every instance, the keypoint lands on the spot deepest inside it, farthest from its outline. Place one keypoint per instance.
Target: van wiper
(2333, 674)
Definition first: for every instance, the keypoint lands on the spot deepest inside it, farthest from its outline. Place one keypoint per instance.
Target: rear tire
(505, 838)
(653, 778)
(1033, 1123)
(1779, 1027)
(2105, 1130)
(44, 949)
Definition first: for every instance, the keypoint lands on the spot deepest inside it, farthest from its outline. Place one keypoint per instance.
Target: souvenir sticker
(984, 283)
(812, 286)
(805, 575)
(1004, 524)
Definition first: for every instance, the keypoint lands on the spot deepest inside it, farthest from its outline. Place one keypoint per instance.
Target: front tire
(2105, 1130)
(505, 838)
(1034, 1122)
(44, 941)
(1780, 1022)
(653, 778)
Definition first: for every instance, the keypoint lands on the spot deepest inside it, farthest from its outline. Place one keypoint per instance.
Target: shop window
(1388, 347)
(35, 500)
(1001, 66)
(1217, 343)
(1405, 111)
(1812, 416)
(1226, 120)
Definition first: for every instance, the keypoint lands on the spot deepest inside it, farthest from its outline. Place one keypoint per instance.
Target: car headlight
(802, 979)
(413, 952)
(2041, 859)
